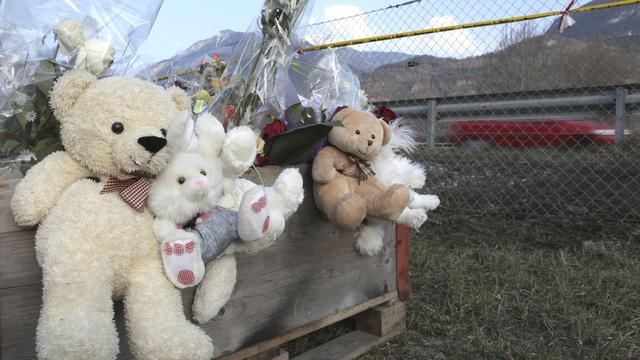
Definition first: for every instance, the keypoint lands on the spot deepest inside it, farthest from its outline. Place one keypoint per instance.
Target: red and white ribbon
(566, 21)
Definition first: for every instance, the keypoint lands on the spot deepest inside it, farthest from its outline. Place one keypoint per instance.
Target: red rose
(385, 113)
(215, 57)
(261, 160)
(229, 112)
(276, 127)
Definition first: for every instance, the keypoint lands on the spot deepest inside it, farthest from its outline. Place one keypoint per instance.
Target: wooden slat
(345, 347)
(19, 310)
(311, 275)
(402, 262)
(18, 265)
(308, 328)
(6, 218)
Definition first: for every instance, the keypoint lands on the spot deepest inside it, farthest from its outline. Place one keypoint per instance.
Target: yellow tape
(466, 26)
(447, 28)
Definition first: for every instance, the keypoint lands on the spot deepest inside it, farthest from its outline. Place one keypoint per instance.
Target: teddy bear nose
(369, 142)
(152, 144)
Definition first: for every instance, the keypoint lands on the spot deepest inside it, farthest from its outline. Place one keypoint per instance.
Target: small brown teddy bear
(345, 188)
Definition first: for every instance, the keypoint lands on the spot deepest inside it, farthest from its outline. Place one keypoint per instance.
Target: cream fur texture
(91, 246)
(392, 167)
(223, 158)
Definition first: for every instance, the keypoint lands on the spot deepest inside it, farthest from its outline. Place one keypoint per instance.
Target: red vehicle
(481, 134)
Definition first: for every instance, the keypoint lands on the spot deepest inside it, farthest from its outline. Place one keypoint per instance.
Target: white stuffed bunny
(205, 212)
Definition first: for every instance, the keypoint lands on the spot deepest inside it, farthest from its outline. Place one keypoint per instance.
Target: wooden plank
(6, 218)
(373, 327)
(402, 262)
(273, 354)
(347, 346)
(311, 277)
(310, 273)
(19, 311)
(308, 328)
(18, 265)
(383, 320)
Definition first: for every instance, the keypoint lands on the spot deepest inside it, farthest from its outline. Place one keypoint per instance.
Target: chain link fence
(519, 125)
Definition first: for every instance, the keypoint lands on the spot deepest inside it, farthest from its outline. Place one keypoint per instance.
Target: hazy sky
(181, 23)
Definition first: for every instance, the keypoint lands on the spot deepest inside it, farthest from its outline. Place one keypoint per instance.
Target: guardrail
(437, 109)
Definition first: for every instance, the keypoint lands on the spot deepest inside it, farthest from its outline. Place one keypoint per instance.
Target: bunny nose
(369, 142)
(152, 144)
(199, 183)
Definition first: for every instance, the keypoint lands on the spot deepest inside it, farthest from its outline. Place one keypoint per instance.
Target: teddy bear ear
(387, 132)
(68, 89)
(180, 98)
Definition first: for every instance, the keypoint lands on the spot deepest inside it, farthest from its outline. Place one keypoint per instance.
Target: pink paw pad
(186, 277)
(178, 249)
(265, 225)
(168, 250)
(189, 247)
(259, 205)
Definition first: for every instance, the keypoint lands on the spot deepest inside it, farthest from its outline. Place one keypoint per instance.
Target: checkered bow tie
(134, 190)
(364, 168)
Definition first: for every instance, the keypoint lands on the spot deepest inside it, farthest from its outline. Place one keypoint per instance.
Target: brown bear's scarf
(364, 168)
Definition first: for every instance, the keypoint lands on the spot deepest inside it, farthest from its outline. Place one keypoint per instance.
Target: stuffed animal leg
(160, 331)
(215, 289)
(283, 199)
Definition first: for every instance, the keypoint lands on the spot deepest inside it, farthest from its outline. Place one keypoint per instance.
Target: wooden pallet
(309, 279)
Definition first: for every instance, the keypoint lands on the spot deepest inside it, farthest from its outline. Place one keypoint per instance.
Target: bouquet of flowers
(39, 40)
(254, 67)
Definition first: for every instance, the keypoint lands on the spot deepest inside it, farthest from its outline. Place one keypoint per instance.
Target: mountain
(602, 48)
(221, 44)
(618, 23)
(224, 42)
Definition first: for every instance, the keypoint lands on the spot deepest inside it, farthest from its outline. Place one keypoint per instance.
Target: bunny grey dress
(216, 231)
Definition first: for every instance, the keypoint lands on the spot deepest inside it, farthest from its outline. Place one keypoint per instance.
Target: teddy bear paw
(413, 217)
(79, 335)
(184, 342)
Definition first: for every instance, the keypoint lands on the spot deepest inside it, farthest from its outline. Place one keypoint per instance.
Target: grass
(479, 296)
(534, 254)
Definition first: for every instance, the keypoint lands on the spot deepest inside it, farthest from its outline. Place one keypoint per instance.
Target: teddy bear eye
(373, 136)
(117, 128)
(181, 180)
(358, 132)
(203, 173)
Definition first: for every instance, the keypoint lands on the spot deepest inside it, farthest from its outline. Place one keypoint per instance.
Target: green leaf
(292, 146)
(299, 115)
(45, 76)
(46, 147)
(9, 147)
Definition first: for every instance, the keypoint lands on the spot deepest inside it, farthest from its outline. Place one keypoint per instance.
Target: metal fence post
(432, 113)
(621, 94)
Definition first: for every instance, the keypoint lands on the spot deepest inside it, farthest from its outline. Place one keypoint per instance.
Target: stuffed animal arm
(38, 192)
(325, 166)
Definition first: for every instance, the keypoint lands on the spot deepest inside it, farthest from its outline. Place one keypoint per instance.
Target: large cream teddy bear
(95, 240)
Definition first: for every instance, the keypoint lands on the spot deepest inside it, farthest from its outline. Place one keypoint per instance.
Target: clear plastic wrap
(254, 94)
(39, 40)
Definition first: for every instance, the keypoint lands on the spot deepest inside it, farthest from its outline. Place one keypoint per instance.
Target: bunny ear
(210, 134)
(181, 133)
